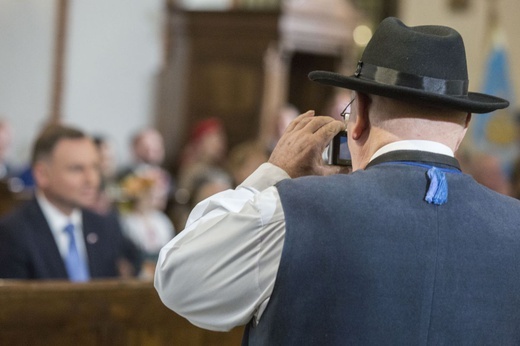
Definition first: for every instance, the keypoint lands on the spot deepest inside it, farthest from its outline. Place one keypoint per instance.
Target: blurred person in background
(515, 180)
(205, 150)
(244, 159)
(206, 147)
(108, 195)
(203, 184)
(208, 183)
(287, 113)
(487, 169)
(148, 156)
(146, 226)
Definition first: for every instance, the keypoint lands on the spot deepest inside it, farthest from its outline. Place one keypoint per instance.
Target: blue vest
(366, 261)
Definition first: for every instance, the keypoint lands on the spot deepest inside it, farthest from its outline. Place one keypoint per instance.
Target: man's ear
(464, 130)
(468, 119)
(361, 121)
(40, 171)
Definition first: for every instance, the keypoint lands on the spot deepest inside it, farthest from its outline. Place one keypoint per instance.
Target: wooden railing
(112, 312)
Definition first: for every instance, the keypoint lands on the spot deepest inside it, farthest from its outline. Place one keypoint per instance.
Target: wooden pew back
(112, 312)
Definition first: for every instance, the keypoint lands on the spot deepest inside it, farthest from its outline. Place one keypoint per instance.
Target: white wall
(114, 52)
(26, 44)
(114, 56)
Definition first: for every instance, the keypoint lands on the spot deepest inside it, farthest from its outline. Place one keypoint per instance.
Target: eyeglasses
(345, 114)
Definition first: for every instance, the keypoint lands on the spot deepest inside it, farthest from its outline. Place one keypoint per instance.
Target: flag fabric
(496, 133)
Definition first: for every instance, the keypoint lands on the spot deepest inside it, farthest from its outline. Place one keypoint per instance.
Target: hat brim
(473, 102)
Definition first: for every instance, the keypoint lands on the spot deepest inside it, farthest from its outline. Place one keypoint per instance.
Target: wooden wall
(214, 69)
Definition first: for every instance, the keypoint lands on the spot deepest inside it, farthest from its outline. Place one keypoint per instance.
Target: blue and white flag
(496, 133)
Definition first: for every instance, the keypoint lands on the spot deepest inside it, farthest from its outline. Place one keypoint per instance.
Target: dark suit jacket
(28, 249)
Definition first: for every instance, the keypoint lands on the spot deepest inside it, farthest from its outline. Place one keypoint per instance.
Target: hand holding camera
(299, 150)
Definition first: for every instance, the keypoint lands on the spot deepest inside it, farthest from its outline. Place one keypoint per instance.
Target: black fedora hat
(423, 63)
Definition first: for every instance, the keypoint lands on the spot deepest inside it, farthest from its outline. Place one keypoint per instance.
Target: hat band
(389, 76)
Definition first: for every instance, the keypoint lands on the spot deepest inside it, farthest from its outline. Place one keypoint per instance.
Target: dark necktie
(75, 264)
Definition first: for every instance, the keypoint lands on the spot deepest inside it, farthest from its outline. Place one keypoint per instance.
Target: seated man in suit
(53, 236)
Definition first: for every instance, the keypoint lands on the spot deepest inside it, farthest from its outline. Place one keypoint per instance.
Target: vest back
(366, 261)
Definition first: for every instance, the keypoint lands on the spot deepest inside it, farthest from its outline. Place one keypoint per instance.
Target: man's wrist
(265, 176)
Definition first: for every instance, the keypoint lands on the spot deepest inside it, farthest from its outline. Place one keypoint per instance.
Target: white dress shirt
(149, 231)
(57, 222)
(220, 271)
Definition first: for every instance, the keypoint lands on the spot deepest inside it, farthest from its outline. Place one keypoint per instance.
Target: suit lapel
(44, 242)
(92, 240)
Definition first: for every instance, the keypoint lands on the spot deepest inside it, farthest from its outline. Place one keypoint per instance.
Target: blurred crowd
(152, 203)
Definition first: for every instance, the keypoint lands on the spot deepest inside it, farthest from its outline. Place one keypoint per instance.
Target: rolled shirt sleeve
(220, 271)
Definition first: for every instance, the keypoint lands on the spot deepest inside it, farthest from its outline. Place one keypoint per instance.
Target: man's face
(150, 148)
(212, 147)
(70, 178)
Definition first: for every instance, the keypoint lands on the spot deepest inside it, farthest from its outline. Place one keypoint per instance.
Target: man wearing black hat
(406, 250)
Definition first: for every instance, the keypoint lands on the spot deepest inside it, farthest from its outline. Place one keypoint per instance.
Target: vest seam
(434, 276)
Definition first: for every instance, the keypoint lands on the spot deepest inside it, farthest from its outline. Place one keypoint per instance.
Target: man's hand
(299, 150)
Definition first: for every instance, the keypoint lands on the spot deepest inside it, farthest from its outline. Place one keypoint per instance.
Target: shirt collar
(55, 218)
(420, 145)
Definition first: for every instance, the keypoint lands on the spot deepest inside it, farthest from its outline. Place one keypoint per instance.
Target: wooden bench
(111, 312)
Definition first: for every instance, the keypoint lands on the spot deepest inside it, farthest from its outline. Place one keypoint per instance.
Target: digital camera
(338, 152)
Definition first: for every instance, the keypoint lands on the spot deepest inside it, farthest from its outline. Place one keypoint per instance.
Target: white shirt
(150, 231)
(57, 222)
(220, 271)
